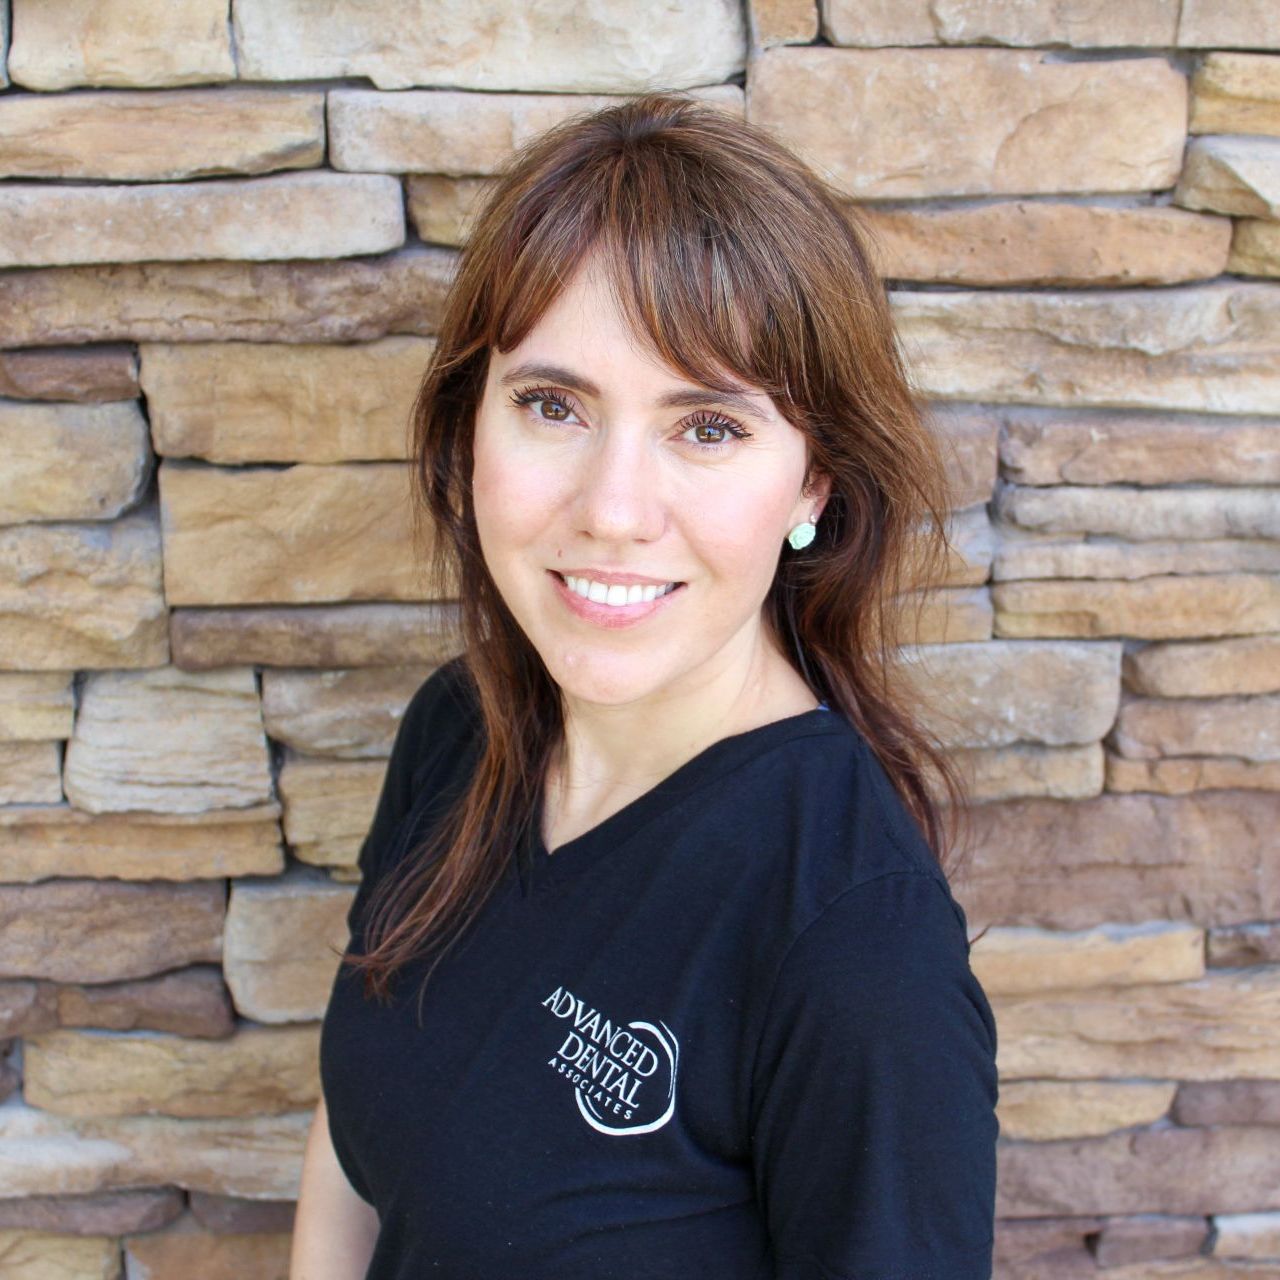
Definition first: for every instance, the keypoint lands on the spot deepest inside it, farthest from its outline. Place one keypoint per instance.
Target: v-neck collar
(538, 870)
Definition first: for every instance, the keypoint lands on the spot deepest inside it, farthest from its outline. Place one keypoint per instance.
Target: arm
(334, 1230)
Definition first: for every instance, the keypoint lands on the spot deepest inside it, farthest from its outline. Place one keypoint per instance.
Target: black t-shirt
(730, 1032)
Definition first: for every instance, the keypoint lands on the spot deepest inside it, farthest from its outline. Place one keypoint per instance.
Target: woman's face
(616, 469)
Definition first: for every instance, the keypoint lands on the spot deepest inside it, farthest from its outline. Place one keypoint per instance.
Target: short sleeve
(874, 1093)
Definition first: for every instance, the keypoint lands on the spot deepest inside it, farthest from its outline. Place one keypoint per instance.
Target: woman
(693, 995)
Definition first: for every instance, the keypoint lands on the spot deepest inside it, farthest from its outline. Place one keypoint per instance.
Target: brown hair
(729, 253)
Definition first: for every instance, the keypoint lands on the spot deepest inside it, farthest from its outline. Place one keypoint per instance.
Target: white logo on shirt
(624, 1073)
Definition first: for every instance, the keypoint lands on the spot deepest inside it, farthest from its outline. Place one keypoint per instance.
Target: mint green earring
(802, 535)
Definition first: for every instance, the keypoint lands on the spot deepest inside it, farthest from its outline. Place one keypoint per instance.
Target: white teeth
(615, 593)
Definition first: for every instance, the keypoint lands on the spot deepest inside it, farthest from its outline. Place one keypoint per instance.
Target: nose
(619, 490)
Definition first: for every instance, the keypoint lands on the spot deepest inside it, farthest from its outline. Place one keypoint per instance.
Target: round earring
(802, 535)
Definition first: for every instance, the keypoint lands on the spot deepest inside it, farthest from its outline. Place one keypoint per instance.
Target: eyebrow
(685, 398)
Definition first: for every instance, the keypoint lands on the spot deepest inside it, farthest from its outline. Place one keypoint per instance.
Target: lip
(616, 579)
(611, 617)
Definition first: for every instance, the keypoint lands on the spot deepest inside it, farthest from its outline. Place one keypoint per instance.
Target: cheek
(512, 498)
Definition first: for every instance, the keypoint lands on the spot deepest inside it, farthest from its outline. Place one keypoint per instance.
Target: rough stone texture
(84, 374)
(29, 1253)
(186, 1249)
(1164, 1170)
(110, 1214)
(547, 45)
(1021, 961)
(282, 943)
(1227, 1102)
(1026, 242)
(1204, 347)
(969, 439)
(1236, 93)
(1189, 773)
(30, 773)
(303, 534)
(1247, 1235)
(1206, 858)
(57, 840)
(36, 706)
(329, 805)
(285, 215)
(1098, 447)
(439, 132)
(351, 714)
(230, 1215)
(1004, 692)
(1255, 248)
(1123, 1242)
(345, 635)
(773, 22)
(1024, 769)
(441, 208)
(1216, 668)
(82, 595)
(1230, 24)
(1044, 1110)
(100, 930)
(991, 121)
(235, 402)
(1127, 511)
(72, 461)
(254, 1071)
(1151, 728)
(1157, 608)
(153, 137)
(189, 1002)
(217, 301)
(971, 546)
(1075, 23)
(950, 615)
(259, 1157)
(146, 43)
(1230, 174)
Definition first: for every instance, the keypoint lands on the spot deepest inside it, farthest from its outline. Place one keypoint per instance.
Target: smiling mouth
(648, 591)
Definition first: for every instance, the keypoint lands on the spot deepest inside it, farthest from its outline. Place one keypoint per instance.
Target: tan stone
(1025, 769)
(255, 1156)
(329, 805)
(168, 741)
(344, 635)
(1160, 608)
(1129, 511)
(72, 461)
(303, 534)
(1235, 1102)
(1150, 1239)
(37, 1253)
(84, 374)
(1019, 555)
(147, 136)
(110, 1214)
(443, 132)
(30, 773)
(1204, 347)
(1247, 1235)
(547, 45)
(211, 302)
(951, 615)
(315, 214)
(1184, 774)
(1207, 858)
(188, 1002)
(106, 931)
(36, 705)
(1076, 23)
(1231, 174)
(255, 1071)
(782, 22)
(1214, 1028)
(352, 714)
(147, 43)
(1102, 447)
(1208, 669)
(970, 437)
(1149, 728)
(186, 1249)
(1255, 248)
(281, 946)
(1027, 242)
(39, 841)
(1021, 961)
(1048, 1110)
(1236, 93)
(991, 121)
(1232, 24)
(971, 544)
(1001, 692)
(441, 208)
(231, 402)
(82, 595)
(232, 1215)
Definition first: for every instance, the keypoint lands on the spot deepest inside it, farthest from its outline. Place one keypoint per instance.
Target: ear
(813, 497)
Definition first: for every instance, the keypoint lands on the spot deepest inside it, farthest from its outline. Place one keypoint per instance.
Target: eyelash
(702, 418)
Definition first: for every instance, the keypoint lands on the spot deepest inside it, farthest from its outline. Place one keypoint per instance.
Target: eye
(704, 420)
(542, 395)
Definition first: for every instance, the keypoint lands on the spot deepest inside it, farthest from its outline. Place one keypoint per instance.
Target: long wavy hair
(728, 252)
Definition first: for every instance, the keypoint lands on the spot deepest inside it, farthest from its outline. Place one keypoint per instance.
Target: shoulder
(442, 713)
